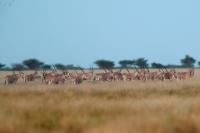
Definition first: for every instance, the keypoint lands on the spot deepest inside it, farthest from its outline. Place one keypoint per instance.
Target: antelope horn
(162, 70)
(136, 69)
(127, 70)
(54, 68)
(20, 72)
(80, 68)
(147, 69)
(76, 72)
(92, 70)
(120, 70)
(166, 69)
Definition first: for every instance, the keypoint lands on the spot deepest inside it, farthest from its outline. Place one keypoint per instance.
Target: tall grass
(116, 107)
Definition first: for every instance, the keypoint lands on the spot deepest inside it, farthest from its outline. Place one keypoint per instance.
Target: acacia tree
(33, 64)
(157, 65)
(17, 67)
(141, 63)
(188, 61)
(60, 66)
(2, 66)
(126, 63)
(105, 64)
(46, 67)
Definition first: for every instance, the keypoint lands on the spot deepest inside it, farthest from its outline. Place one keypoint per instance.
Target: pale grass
(116, 107)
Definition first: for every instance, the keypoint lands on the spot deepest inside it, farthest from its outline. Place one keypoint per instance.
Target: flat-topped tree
(17, 67)
(46, 67)
(105, 64)
(141, 63)
(126, 63)
(157, 65)
(33, 64)
(188, 61)
(60, 66)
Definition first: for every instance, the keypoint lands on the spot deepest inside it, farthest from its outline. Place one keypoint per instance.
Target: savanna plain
(101, 107)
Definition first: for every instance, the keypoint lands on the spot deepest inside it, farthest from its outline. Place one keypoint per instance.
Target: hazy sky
(81, 31)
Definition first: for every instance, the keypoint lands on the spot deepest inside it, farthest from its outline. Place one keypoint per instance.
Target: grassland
(117, 107)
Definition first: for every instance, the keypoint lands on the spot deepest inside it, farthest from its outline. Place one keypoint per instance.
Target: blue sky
(81, 31)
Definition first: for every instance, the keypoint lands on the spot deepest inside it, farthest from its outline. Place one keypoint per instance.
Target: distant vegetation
(35, 64)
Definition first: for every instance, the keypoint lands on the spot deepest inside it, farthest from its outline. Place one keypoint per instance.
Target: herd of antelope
(77, 77)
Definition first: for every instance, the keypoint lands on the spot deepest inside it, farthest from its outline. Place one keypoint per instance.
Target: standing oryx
(12, 79)
(31, 77)
(109, 75)
(53, 78)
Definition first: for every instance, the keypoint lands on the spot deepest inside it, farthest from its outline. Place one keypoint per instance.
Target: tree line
(35, 64)
(186, 62)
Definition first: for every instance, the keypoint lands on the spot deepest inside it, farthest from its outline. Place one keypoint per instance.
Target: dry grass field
(116, 107)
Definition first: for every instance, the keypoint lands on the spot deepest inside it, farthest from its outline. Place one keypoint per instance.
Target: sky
(82, 31)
